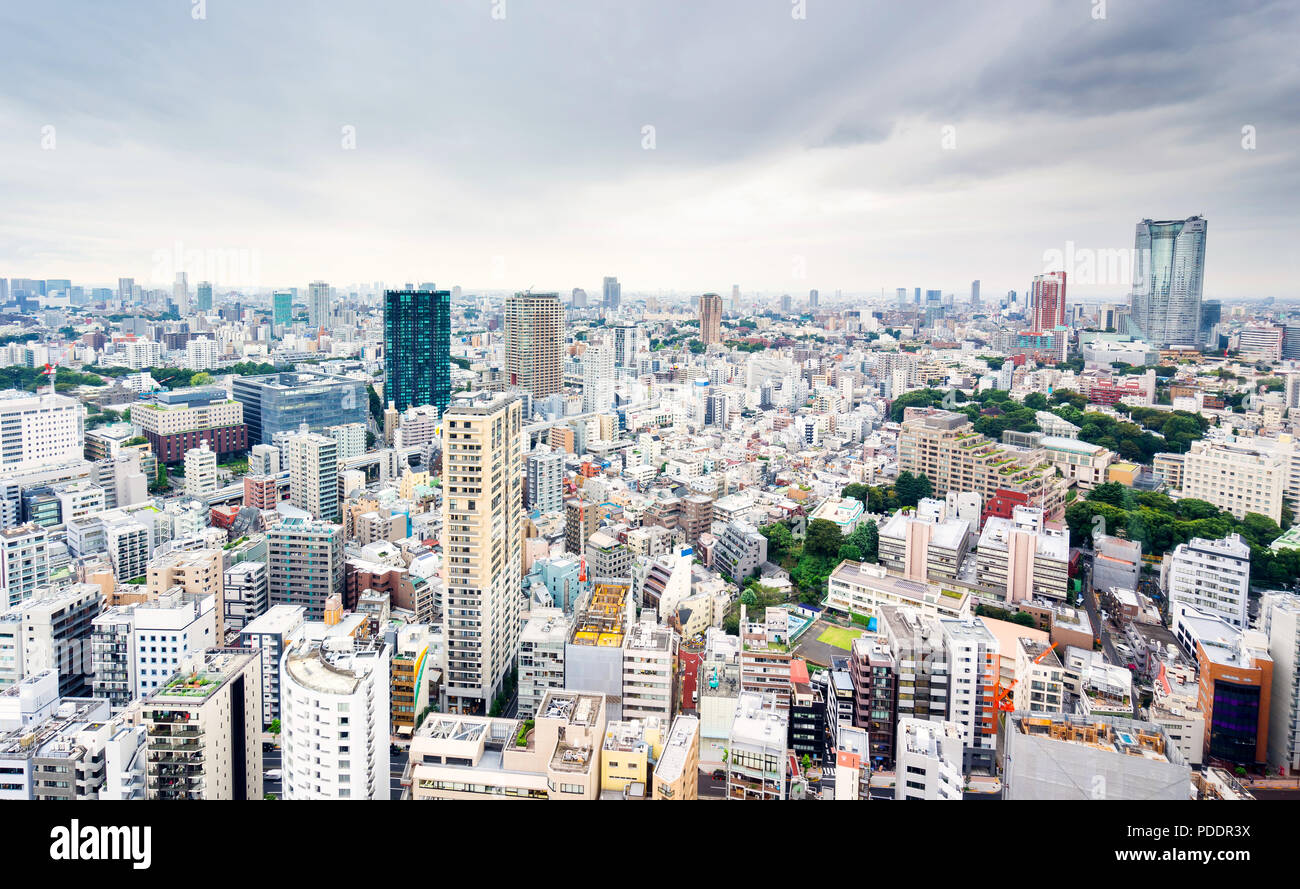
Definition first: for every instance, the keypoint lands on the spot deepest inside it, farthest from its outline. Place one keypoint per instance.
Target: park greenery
(1160, 523)
(811, 561)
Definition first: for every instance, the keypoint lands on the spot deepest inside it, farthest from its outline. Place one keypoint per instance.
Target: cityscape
(868, 510)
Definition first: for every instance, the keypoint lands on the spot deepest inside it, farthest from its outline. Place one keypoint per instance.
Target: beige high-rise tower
(482, 551)
(710, 319)
(534, 338)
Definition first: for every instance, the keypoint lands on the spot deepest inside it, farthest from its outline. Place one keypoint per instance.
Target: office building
(756, 745)
(177, 421)
(170, 635)
(204, 732)
(417, 348)
(39, 431)
(319, 309)
(246, 595)
(57, 625)
(612, 293)
(1168, 271)
(282, 402)
(1239, 477)
(534, 338)
(481, 522)
(1279, 621)
(281, 308)
(711, 319)
(334, 715)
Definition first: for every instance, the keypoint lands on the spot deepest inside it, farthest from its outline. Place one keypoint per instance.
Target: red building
(261, 491)
(1048, 300)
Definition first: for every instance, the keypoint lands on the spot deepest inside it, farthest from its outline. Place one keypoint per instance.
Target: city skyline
(835, 170)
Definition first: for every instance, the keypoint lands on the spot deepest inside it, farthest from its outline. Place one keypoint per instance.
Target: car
(719, 774)
(275, 775)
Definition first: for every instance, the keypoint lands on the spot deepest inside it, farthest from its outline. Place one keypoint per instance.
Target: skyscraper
(318, 305)
(710, 318)
(1168, 267)
(282, 307)
(417, 348)
(814, 298)
(181, 294)
(597, 378)
(481, 520)
(579, 298)
(1047, 299)
(205, 296)
(125, 289)
(975, 293)
(613, 293)
(533, 341)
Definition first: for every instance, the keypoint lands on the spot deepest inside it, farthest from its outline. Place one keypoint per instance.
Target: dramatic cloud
(679, 146)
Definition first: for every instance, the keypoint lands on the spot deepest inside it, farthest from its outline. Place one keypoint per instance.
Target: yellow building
(627, 751)
(1124, 473)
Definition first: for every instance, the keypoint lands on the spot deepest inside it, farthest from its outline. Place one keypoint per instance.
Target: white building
(170, 635)
(24, 563)
(649, 671)
(351, 438)
(1211, 576)
(929, 760)
(973, 668)
(1279, 619)
(541, 657)
(335, 713)
(200, 471)
(756, 766)
(40, 430)
(272, 632)
(1239, 477)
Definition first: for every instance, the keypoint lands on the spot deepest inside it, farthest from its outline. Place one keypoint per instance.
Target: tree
(823, 539)
(779, 541)
(202, 378)
(866, 539)
(274, 728)
(912, 488)
(1024, 619)
(1036, 401)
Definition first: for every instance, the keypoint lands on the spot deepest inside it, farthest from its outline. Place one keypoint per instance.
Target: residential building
(272, 633)
(1240, 477)
(677, 772)
(334, 714)
(24, 563)
(200, 472)
(1023, 557)
(546, 480)
(313, 462)
(534, 336)
(541, 657)
(1279, 621)
(305, 564)
(1210, 575)
(204, 732)
(929, 760)
(971, 652)
(710, 319)
(649, 672)
(481, 521)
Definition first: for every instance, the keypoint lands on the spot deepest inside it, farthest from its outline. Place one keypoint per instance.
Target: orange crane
(1001, 693)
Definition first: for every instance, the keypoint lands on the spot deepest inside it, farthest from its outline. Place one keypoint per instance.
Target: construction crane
(1001, 694)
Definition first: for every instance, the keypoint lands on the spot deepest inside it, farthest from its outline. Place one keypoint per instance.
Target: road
(1090, 605)
(396, 766)
(272, 759)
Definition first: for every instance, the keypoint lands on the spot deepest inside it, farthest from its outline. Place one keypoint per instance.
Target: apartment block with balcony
(944, 447)
(756, 749)
(204, 732)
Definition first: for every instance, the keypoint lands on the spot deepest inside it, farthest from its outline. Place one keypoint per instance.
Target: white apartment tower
(1211, 576)
(313, 474)
(334, 714)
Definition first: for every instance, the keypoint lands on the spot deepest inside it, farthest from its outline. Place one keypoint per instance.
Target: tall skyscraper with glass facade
(417, 348)
(1168, 267)
(613, 293)
(318, 305)
(282, 307)
(205, 296)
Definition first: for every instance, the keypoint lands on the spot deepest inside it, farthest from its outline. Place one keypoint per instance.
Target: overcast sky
(788, 153)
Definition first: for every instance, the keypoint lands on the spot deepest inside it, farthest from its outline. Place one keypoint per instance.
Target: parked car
(275, 774)
(719, 774)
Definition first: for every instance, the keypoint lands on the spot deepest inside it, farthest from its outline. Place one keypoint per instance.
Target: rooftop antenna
(51, 370)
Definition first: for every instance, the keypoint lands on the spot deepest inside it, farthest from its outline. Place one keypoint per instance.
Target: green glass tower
(417, 348)
(282, 307)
